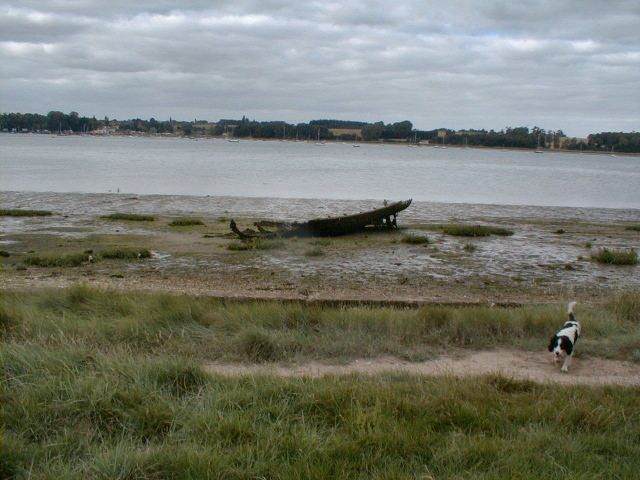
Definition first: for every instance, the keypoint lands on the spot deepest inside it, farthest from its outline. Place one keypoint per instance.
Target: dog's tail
(570, 308)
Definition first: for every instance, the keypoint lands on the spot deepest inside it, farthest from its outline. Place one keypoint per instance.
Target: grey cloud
(573, 65)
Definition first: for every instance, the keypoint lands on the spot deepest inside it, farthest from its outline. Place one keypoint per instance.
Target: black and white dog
(563, 343)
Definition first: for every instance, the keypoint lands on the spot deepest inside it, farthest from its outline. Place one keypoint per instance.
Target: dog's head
(560, 346)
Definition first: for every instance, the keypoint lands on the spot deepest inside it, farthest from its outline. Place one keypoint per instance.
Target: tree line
(517, 137)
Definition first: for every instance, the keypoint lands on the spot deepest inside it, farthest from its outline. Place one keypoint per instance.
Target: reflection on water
(173, 166)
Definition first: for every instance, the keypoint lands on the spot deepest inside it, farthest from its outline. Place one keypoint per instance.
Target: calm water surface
(173, 166)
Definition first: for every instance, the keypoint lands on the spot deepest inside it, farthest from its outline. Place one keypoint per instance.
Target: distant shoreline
(333, 142)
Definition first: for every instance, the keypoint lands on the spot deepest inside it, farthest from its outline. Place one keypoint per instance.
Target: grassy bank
(271, 331)
(71, 413)
(109, 385)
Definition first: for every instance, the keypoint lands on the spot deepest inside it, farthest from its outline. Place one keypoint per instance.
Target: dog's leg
(565, 365)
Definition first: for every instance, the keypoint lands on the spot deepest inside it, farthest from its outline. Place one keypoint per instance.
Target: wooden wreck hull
(332, 226)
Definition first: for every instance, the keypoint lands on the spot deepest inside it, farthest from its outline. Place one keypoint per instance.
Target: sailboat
(319, 142)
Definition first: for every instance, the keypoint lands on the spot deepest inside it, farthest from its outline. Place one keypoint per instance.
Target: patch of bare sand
(534, 366)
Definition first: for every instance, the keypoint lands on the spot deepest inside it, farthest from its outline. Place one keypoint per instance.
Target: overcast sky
(571, 65)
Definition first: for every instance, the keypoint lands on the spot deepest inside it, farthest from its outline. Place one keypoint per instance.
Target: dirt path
(536, 366)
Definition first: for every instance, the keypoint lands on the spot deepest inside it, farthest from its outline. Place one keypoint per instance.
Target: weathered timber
(385, 217)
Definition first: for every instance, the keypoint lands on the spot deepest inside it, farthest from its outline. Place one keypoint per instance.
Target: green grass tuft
(134, 217)
(469, 247)
(314, 252)
(24, 213)
(268, 244)
(125, 254)
(462, 230)
(4, 253)
(72, 260)
(616, 257)
(415, 239)
(186, 222)
(238, 246)
(633, 228)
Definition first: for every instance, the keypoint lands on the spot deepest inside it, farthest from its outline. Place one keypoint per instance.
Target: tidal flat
(548, 258)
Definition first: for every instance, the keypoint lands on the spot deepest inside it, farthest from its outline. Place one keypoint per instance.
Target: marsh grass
(78, 259)
(469, 247)
(73, 413)
(314, 252)
(415, 239)
(99, 384)
(462, 230)
(268, 244)
(24, 213)
(238, 246)
(616, 257)
(4, 253)
(217, 330)
(186, 222)
(633, 228)
(134, 217)
(125, 254)
(71, 260)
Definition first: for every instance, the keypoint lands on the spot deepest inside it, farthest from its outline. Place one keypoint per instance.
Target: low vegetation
(125, 254)
(110, 385)
(633, 228)
(462, 230)
(134, 217)
(469, 247)
(71, 260)
(238, 246)
(186, 222)
(314, 252)
(616, 257)
(24, 213)
(77, 259)
(415, 239)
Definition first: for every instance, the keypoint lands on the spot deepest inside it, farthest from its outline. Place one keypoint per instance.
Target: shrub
(129, 216)
(461, 230)
(24, 213)
(4, 253)
(186, 222)
(616, 257)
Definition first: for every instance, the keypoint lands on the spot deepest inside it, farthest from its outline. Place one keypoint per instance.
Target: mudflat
(547, 258)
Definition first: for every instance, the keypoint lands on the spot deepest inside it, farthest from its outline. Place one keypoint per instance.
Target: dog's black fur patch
(565, 343)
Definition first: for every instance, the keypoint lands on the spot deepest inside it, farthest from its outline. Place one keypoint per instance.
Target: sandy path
(535, 366)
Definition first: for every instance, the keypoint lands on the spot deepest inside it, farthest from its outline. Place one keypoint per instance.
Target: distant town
(59, 123)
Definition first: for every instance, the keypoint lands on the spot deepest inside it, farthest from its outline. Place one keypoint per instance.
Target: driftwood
(385, 217)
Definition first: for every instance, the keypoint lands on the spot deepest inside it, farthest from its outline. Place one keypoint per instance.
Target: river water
(301, 170)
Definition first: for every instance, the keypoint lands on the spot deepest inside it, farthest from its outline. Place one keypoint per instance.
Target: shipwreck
(379, 218)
